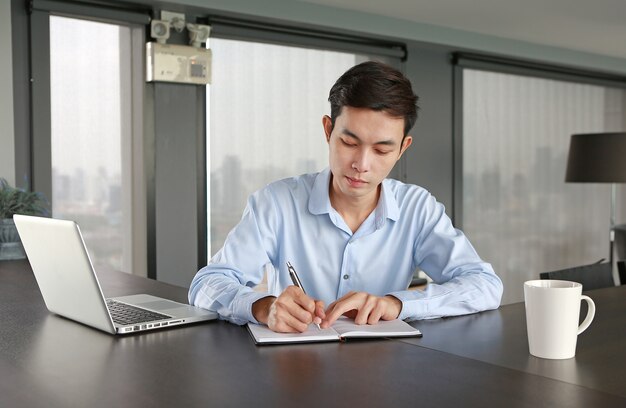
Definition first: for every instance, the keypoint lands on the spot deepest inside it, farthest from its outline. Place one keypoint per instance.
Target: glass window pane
(89, 62)
(517, 209)
(265, 121)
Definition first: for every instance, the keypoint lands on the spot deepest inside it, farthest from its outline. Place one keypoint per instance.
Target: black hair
(376, 86)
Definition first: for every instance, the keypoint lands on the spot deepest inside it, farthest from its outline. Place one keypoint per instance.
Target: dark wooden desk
(46, 360)
(499, 337)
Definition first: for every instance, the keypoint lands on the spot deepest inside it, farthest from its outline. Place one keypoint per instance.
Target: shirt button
(346, 276)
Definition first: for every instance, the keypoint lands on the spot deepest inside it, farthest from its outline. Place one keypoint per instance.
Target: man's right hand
(292, 312)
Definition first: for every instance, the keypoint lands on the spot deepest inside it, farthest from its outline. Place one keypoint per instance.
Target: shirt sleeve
(226, 284)
(462, 282)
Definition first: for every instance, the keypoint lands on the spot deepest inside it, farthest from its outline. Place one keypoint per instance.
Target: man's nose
(361, 162)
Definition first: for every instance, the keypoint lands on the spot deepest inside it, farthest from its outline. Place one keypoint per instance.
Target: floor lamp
(599, 158)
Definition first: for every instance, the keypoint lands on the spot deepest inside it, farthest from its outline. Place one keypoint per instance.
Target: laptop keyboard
(126, 314)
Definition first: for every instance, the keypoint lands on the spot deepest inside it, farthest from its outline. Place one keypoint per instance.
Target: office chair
(594, 276)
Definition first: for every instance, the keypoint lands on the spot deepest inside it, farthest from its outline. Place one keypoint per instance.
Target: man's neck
(353, 210)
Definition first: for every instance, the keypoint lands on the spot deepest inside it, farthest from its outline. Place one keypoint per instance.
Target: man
(354, 237)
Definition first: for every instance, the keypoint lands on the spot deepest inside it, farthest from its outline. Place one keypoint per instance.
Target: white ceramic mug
(552, 312)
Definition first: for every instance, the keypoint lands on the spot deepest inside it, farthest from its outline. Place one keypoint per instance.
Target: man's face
(363, 145)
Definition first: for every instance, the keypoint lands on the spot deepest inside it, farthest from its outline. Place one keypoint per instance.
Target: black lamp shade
(597, 158)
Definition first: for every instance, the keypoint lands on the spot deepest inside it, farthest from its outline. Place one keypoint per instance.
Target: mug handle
(591, 312)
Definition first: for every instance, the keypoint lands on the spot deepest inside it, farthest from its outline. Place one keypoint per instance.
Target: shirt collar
(387, 205)
(319, 201)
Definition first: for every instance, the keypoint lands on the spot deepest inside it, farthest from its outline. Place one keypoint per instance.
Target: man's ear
(405, 145)
(328, 127)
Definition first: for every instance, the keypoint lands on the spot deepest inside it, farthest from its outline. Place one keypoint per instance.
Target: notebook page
(262, 334)
(391, 328)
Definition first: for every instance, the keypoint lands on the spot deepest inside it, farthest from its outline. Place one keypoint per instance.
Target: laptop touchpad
(161, 305)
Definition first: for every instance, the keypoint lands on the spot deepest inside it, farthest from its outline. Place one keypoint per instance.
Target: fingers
(293, 311)
(350, 301)
(285, 323)
(356, 305)
(364, 308)
(320, 314)
(375, 315)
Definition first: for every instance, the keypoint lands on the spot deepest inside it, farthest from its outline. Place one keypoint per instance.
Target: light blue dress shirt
(293, 220)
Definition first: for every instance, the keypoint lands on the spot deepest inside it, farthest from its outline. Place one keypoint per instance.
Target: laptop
(70, 288)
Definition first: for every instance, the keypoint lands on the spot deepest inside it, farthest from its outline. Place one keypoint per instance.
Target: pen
(296, 281)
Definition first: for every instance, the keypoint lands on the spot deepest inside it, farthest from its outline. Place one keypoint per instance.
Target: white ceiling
(594, 26)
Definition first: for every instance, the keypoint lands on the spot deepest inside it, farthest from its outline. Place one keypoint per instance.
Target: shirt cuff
(244, 305)
(412, 307)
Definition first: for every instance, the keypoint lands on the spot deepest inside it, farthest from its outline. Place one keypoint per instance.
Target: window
(91, 135)
(265, 106)
(517, 209)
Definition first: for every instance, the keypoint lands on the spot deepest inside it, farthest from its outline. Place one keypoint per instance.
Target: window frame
(36, 168)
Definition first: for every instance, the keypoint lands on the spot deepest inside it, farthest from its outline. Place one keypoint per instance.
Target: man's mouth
(353, 182)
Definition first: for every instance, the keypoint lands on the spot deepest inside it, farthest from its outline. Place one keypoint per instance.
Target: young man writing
(354, 236)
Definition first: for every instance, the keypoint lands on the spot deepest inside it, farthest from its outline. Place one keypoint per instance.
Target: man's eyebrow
(388, 142)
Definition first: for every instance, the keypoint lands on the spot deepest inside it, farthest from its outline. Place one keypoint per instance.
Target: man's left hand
(364, 308)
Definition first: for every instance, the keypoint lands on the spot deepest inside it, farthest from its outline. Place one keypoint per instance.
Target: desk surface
(48, 360)
(499, 337)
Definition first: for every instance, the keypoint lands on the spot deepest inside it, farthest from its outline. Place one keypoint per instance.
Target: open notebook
(343, 329)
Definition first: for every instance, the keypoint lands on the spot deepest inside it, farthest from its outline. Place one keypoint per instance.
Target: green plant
(18, 201)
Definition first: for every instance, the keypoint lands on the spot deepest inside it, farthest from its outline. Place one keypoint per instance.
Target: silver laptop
(67, 280)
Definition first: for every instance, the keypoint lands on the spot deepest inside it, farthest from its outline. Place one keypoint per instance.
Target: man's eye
(382, 152)
(347, 144)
